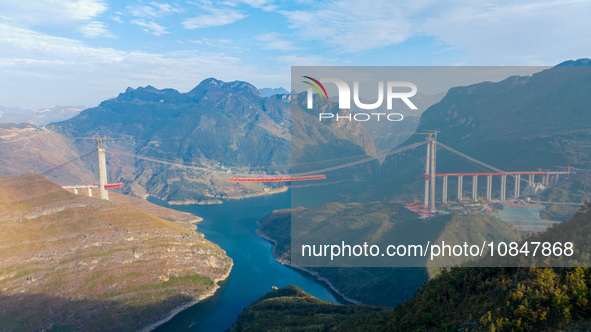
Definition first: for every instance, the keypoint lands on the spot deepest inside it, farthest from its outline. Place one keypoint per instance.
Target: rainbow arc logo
(316, 87)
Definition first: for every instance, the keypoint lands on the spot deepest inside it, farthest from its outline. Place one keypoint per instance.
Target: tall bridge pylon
(102, 165)
(430, 167)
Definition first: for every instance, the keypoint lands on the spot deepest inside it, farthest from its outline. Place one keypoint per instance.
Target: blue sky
(80, 52)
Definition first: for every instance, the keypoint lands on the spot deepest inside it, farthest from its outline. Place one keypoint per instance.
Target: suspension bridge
(544, 178)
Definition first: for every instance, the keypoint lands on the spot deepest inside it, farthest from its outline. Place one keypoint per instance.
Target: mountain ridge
(79, 261)
(224, 126)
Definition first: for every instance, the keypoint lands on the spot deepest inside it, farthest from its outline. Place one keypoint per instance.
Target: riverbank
(198, 202)
(198, 299)
(214, 201)
(262, 193)
(321, 279)
(232, 226)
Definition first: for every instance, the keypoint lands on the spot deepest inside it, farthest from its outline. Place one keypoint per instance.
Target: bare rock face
(70, 261)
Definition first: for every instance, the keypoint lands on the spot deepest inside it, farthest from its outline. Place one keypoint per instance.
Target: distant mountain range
(39, 117)
(520, 123)
(268, 92)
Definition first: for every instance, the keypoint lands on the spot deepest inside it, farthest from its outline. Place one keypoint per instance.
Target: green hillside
(381, 224)
(81, 263)
(475, 299)
(291, 309)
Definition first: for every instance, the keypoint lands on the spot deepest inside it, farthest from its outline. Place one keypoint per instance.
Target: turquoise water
(232, 226)
(525, 218)
(522, 214)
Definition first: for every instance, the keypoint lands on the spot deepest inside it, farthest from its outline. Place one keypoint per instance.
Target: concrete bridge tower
(102, 166)
(102, 173)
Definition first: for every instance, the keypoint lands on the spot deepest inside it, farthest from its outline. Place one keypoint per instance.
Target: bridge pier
(89, 192)
(489, 187)
(444, 193)
(503, 186)
(546, 178)
(474, 187)
(76, 190)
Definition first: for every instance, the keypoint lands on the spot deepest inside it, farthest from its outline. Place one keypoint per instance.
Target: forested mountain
(379, 224)
(485, 298)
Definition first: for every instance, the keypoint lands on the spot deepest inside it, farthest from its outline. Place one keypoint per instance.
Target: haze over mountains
(217, 124)
(39, 117)
(231, 127)
(540, 120)
(523, 123)
(268, 92)
(224, 126)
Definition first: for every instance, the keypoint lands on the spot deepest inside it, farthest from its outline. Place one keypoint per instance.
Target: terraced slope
(70, 261)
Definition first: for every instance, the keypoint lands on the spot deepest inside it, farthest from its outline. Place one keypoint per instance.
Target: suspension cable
(408, 147)
(67, 162)
(470, 158)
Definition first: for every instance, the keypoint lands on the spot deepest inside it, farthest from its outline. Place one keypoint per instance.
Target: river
(232, 226)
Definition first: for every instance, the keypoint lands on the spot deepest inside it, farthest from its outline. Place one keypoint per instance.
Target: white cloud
(270, 8)
(94, 29)
(27, 44)
(253, 3)
(351, 26)
(257, 3)
(151, 27)
(166, 8)
(116, 18)
(153, 9)
(491, 32)
(39, 70)
(211, 42)
(79, 14)
(531, 32)
(53, 12)
(213, 17)
(273, 41)
(306, 60)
